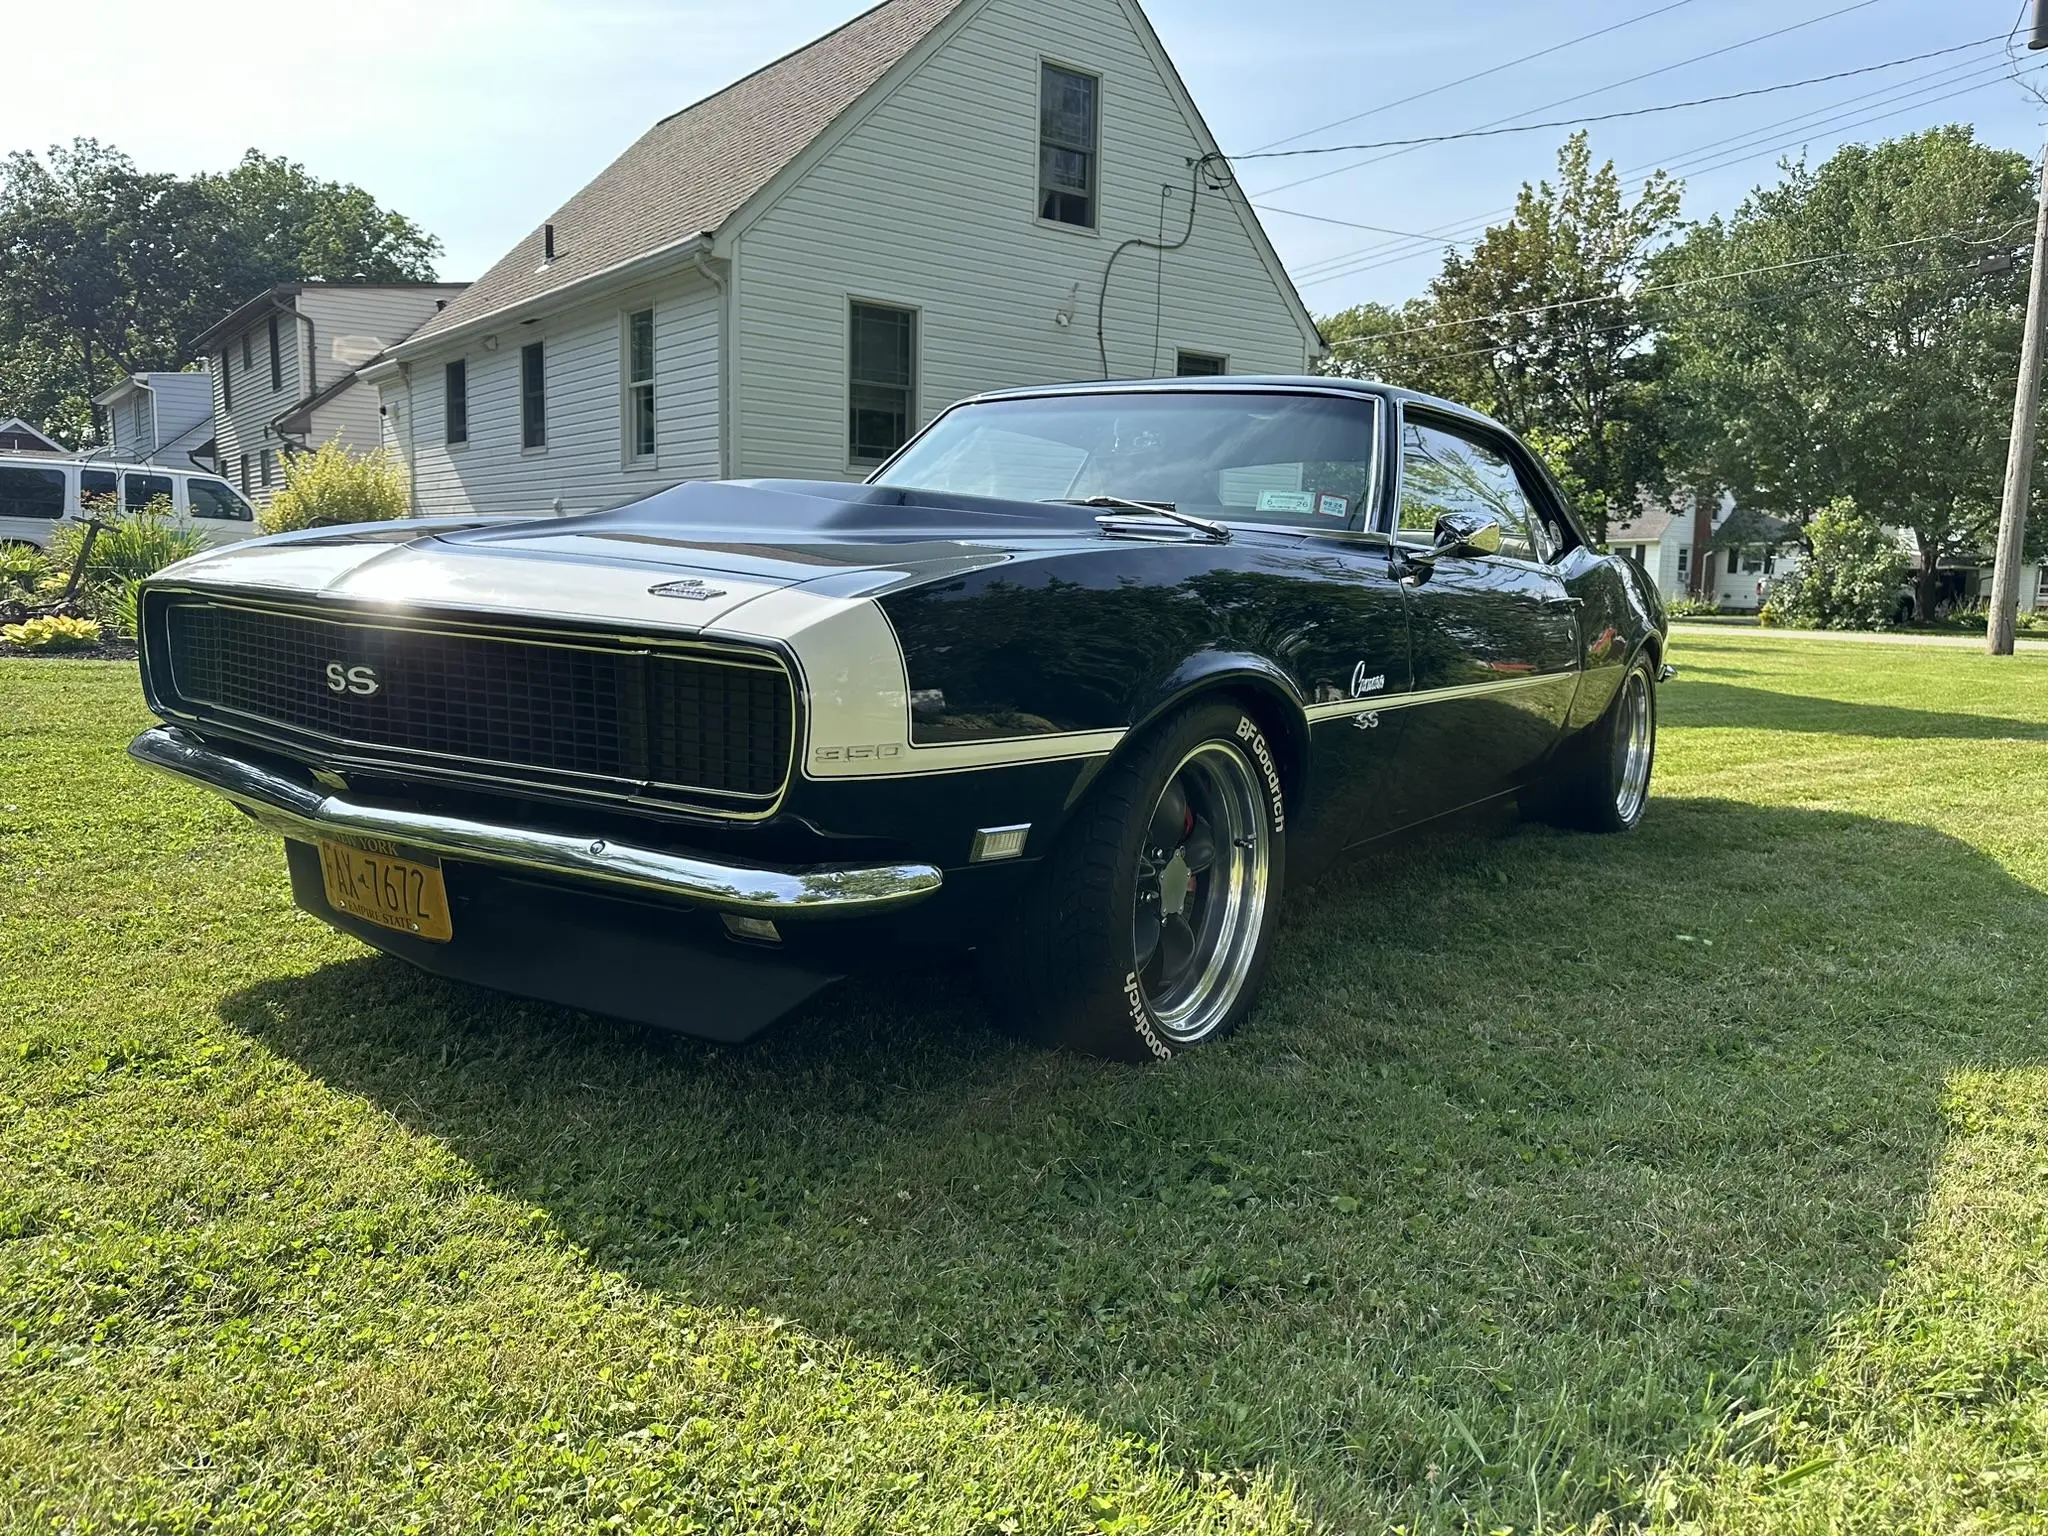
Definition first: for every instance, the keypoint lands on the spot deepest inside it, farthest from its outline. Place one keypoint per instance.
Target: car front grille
(608, 716)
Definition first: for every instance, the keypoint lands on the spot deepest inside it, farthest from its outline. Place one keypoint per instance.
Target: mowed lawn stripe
(1556, 1181)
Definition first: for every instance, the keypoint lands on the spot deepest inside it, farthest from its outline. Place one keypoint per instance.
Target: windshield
(1304, 460)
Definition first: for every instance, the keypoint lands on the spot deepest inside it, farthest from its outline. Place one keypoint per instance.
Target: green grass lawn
(1697, 1178)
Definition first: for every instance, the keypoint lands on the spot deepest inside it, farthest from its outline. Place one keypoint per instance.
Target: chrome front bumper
(295, 810)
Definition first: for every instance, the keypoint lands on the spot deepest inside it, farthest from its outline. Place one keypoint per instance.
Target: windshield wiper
(1215, 532)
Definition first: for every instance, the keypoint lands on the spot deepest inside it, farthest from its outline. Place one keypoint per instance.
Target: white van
(39, 490)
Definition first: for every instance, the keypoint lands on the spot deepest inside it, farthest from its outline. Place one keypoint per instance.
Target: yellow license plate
(375, 882)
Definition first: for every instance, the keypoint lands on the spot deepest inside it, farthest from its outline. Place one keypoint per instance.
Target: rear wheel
(1601, 779)
(1148, 927)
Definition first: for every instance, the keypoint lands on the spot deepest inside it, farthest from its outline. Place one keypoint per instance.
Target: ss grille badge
(689, 587)
(358, 680)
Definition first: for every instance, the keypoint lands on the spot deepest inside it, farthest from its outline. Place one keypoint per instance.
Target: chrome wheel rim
(1635, 739)
(1200, 904)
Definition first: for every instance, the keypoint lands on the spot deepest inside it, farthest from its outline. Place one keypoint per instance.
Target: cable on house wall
(1196, 171)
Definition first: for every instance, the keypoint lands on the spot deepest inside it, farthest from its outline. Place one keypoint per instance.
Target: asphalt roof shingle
(691, 172)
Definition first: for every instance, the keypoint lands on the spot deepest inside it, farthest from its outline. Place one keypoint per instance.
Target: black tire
(1070, 967)
(1597, 783)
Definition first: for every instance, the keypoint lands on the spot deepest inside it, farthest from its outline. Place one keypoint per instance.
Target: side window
(1443, 470)
(213, 498)
(97, 488)
(31, 492)
(141, 490)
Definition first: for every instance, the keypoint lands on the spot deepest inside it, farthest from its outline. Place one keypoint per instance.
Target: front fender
(1255, 682)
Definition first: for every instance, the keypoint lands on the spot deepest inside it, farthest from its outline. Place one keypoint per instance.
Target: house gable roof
(15, 427)
(692, 171)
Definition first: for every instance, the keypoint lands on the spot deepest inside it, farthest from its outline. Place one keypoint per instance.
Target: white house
(793, 275)
(158, 418)
(284, 370)
(1746, 549)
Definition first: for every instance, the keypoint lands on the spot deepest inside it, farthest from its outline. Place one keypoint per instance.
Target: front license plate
(380, 885)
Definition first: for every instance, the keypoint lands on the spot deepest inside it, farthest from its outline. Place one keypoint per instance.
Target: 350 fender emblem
(857, 754)
(342, 679)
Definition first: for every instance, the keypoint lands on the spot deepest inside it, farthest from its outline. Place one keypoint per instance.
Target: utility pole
(2026, 409)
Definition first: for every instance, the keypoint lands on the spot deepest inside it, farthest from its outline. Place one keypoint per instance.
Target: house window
(1734, 561)
(264, 467)
(227, 386)
(245, 474)
(140, 410)
(1199, 365)
(1684, 559)
(248, 357)
(881, 380)
(455, 401)
(533, 397)
(1752, 560)
(2041, 585)
(276, 361)
(1067, 146)
(638, 406)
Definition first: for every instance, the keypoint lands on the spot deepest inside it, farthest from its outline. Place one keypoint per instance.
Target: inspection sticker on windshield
(1287, 501)
(1332, 506)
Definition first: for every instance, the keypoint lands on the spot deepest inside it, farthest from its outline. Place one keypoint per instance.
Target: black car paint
(1023, 620)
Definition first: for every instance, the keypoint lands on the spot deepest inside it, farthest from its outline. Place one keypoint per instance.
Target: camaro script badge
(342, 679)
(689, 587)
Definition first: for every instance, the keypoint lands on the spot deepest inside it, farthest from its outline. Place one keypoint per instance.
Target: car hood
(689, 559)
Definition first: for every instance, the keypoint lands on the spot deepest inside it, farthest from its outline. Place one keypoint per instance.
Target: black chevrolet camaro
(1082, 680)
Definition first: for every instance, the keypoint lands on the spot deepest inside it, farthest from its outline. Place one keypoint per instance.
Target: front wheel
(1600, 781)
(1149, 925)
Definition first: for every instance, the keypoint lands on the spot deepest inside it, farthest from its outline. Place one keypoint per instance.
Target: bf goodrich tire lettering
(1149, 927)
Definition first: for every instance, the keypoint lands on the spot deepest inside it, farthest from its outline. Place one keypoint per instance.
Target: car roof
(1238, 383)
(83, 461)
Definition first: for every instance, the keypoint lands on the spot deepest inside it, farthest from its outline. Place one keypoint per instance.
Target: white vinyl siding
(585, 369)
(246, 428)
(929, 203)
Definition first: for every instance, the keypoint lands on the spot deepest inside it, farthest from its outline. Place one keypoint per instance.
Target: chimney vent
(547, 237)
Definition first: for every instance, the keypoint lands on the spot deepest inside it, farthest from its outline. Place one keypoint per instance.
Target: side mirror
(1462, 533)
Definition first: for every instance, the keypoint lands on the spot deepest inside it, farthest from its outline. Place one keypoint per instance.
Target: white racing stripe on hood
(858, 721)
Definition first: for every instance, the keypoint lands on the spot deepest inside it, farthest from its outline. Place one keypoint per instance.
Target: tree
(1540, 326)
(106, 269)
(1860, 352)
(1850, 580)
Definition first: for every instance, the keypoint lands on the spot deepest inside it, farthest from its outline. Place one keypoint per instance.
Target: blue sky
(478, 118)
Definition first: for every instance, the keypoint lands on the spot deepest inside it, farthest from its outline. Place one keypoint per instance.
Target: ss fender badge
(857, 754)
(689, 587)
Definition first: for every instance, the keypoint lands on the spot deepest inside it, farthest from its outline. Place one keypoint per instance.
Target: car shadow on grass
(1705, 703)
(1539, 1154)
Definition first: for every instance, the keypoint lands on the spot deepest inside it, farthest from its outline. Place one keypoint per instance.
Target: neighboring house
(17, 436)
(284, 371)
(158, 418)
(795, 274)
(1746, 549)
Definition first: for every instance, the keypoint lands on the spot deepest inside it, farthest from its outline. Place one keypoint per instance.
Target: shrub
(1850, 580)
(1690, 607)
(336, 486)
(130, 546)
(22, 568)
(52, 633)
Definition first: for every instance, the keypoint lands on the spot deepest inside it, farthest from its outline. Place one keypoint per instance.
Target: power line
(1434, 90)
(1564, 101)
(1903, 96)
(1912, 96)
(1608, 117)
(1691, 282)
(1722, 305)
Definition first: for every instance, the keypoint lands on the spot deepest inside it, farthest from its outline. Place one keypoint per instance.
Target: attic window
(1067, 144)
